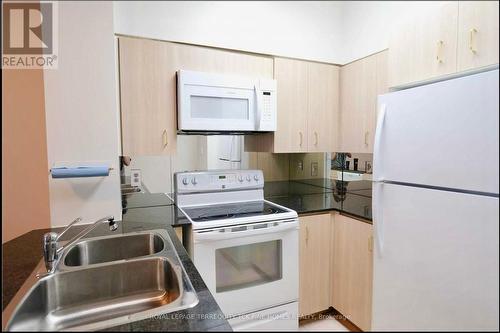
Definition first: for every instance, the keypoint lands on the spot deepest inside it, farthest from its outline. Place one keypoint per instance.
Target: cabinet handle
(472, 32)
(438, 52)
(370, 244)
(307, 235)
(366, 138)
(300, 135)
(165, 139)
(315, 138)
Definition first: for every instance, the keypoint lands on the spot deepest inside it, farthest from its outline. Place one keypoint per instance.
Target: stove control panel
(217, 180)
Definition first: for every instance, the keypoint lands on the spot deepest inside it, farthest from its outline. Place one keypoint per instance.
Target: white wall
(301, 29)
(332, 31)
(81, 112)
(367, 25)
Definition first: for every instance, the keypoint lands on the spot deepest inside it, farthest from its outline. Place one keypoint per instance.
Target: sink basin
(106, 281)
(75, 298)
(100, 250)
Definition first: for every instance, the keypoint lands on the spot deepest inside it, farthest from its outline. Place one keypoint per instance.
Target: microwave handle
(258, 98)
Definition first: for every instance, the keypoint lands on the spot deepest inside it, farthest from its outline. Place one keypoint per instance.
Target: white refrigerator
(436, 206)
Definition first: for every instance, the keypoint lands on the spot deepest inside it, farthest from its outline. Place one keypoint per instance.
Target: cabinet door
(425, 47)
(314, 276)
(147, 97)
(352, 270)
(381, 87)
(360, 84)
(477, 34)
(323, 110)
(292, 89)
(351, 126)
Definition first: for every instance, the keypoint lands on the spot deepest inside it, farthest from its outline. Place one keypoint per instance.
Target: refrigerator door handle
(377, 167)
(378, 222)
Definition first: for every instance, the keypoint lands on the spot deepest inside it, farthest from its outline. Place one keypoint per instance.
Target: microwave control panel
(268, 100)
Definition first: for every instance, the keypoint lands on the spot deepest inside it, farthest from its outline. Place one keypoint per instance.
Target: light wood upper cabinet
(425, 47)
(477, 34)
(148, 87)
(443, 38)
(360, 83)
(323, 107)
(292, 105)
(205, 59)
(314, 263)
(147, 97)
(308, 109)
(352, 270)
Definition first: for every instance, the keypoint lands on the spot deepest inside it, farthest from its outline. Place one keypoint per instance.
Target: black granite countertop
(135, 200)
(321, 194)
(21, 255)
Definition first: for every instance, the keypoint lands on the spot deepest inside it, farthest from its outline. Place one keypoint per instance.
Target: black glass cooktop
(231, 211)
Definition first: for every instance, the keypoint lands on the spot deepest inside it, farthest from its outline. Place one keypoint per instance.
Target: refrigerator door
(435, 260)
(443, 134)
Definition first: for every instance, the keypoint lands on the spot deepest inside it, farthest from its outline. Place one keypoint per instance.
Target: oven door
(251, 267)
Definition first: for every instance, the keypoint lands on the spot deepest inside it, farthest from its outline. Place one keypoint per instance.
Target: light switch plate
(135, 177)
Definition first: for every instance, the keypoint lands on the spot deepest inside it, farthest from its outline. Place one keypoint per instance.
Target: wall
(367, 25)
(81, 112)
(25, 188)
(332, 31)
(307, 160)
(301, 29)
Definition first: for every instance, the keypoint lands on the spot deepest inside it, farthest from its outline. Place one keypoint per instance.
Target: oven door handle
(215, 235)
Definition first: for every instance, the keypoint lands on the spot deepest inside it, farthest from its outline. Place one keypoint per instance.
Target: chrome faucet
(52, 253)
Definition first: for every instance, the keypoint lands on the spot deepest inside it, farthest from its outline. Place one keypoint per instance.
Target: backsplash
(196, 152)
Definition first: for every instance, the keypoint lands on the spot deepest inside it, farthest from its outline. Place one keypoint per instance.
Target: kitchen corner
(250, 165)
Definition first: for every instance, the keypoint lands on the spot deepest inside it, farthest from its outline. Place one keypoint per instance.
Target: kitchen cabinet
(308, 109)
(352, 270)
(148, 87)
(477, 34)
(292, 105)
(147, 97)
(442, 38)
(314, 263)
(424, 47)
(360, 83)
(323, 107)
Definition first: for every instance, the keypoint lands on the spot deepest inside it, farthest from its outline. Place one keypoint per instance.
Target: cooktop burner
(230, 211)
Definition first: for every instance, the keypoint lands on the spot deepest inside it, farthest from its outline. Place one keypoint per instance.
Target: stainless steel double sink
(102, 282)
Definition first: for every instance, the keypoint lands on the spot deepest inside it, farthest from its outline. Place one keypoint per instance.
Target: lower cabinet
(314, 263)
(352, 270)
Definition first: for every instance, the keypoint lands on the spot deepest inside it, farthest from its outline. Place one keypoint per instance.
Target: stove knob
(185, 181)
(240, 178)
(193, 181)
(256, 177)
(248, 178)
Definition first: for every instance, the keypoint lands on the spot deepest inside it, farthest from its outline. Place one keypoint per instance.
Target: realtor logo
(29, 35)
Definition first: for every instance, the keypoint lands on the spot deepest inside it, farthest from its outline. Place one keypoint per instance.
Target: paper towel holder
(84, 170)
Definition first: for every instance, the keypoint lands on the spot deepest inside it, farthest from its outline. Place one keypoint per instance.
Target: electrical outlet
(300, 166)
(135, 177)
(314, 169)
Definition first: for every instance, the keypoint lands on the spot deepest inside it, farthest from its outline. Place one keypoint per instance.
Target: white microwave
(208, 102)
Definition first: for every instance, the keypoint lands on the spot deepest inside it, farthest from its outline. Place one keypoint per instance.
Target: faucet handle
(78, 219)
(50, 249)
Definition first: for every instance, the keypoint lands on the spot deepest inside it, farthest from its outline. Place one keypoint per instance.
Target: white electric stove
(245, 247)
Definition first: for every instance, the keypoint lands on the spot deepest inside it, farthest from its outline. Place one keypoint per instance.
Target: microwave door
(206, 108)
